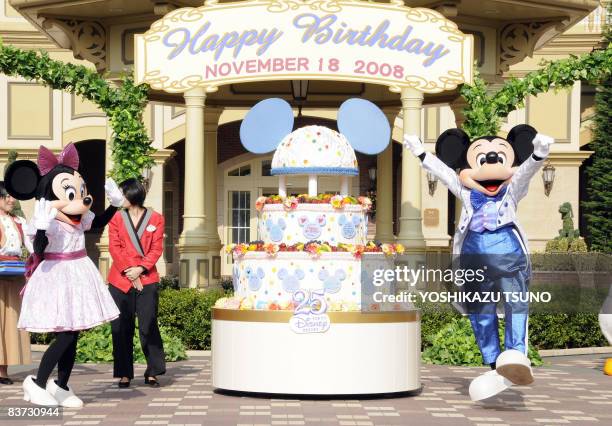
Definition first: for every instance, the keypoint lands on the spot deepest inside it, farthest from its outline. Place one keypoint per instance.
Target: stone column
(411, 227)
(211, 125)
(155, 195)
(105, 261)
(193, 241)
(457, 106)
(384, 188)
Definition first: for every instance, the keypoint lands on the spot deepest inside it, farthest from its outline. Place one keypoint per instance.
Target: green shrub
(571, 261)
(227, 284)
(169, 282)
(565, 244)
(559, 331)
(433, 319)
(96, 345)
(41, 338)
(455, 344)
(186, 313)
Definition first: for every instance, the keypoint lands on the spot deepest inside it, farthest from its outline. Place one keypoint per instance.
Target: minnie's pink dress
(64, 295)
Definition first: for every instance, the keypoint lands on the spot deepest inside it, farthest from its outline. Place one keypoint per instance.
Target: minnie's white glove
(44, 214)
(541, 145)
(113, 193)
(414, 144)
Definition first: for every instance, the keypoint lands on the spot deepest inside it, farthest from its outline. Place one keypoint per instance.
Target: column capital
(411, 98)
(162, 155)
(195, 97)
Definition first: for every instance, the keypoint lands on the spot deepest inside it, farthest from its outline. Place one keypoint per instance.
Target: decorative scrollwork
(517, 40)
(87, 39)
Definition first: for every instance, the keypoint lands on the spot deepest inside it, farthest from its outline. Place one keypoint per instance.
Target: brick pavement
(568, 390)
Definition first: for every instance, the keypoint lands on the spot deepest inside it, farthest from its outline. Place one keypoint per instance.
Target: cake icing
(315, 150)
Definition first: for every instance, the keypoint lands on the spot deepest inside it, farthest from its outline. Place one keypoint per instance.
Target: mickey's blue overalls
(500, 254)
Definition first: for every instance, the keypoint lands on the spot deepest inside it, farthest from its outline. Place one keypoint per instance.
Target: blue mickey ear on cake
(265, 125)
(364, 125)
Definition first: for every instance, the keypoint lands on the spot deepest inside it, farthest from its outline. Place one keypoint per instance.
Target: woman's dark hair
(134, 191)
(3, 192)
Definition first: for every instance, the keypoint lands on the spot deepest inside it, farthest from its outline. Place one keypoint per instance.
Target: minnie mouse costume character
(64, 292)
(494, 176)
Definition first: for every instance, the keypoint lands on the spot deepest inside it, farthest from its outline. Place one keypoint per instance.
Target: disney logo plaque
(310, 315)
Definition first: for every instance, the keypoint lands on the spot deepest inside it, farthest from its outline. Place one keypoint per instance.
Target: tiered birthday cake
(302, 290)
(309, 242)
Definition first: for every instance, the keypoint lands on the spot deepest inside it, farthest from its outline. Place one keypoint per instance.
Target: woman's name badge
(151, 228)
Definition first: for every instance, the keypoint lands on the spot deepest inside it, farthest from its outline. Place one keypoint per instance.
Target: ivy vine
(485, 110)
(124, 105)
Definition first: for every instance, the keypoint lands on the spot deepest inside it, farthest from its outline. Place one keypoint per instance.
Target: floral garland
(315, 248)
(248, 303)
(123, 105)
(291, 202)
(243, 303)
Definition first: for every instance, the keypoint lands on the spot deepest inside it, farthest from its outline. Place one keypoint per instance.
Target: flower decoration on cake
(365, 202)
(260, 202)
(271, 249)
(247, 303)
(290, 203)
(315, 248)
(337, 201)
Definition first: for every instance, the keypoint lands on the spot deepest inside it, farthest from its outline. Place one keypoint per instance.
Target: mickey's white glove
(541, 145)
(414, 144)
(113, 193)
(44, 214)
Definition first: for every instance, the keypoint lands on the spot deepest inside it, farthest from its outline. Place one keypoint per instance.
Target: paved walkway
(569, 390)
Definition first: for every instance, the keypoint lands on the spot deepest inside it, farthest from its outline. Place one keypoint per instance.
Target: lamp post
(432, 183)
(548, 177)
(147, 175)
(299, 90)
(372, 175)
(372, 192)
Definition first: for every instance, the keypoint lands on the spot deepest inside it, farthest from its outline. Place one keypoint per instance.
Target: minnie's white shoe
(514, 366)
(37, 395)
(488, 385)
(65, 398)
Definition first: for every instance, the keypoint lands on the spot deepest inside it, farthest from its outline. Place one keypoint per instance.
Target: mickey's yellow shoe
(608, 367)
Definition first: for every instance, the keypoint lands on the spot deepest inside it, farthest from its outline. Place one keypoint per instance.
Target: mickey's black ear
(451, 147)
(21, 179)
(521, 138)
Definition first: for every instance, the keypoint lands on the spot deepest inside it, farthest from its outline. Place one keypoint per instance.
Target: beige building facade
(206, 184)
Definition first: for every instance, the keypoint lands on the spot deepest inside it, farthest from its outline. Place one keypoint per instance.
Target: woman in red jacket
(136, 236)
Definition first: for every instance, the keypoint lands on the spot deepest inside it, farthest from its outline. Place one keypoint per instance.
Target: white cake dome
(314, 150)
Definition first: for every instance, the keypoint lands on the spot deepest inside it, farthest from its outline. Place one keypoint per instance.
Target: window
(240, 216)
(240, 171)
(266, 166)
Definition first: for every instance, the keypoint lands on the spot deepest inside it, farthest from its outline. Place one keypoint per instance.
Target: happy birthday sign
(384, 43)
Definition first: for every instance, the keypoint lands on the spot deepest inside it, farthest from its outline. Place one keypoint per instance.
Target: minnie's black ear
(521, 138)
(21, 179)
(451, 147)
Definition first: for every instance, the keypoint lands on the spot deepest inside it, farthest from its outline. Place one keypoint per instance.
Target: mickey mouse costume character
(494, 175)
(64, 292)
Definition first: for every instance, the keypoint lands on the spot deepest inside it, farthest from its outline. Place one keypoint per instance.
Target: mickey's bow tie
(479, 199)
